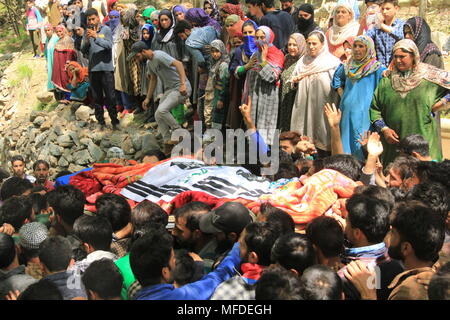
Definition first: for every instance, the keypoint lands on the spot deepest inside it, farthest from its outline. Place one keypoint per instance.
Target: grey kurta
(308, 117)
(261, 85)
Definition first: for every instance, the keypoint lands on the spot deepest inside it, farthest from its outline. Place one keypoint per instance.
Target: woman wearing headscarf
(148, 33)
(111, 4)
(229, 9)
(133, 34)
(344, 26)
(212, 9)
(233, 24)
(49, 48)
(313, 73)
(154, 17)
(164, 37)
(418, 30)
(296, 49)
(199, 18)
(147, 13)
(178, 12)
(216, 91)
(262, 84)
(305, 20)
(64, 51)
(356, 82)
(239, 66)
(404, 102)
(113, 21)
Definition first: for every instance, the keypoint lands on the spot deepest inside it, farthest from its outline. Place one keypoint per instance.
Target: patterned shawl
(215, 9)
(233, 9)
(422, 37)
(339, 34)
(356, 70)
(66, 42)
(301, 43)
(324, 61)
(403, 84)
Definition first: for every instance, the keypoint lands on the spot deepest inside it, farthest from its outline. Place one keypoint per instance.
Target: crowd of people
(359, 103)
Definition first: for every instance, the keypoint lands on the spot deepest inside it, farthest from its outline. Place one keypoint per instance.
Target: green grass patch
(11, 42)
(25, 72)
(47, 107)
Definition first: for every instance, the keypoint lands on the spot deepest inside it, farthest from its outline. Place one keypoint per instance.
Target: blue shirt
(199, 290)
(384, 42)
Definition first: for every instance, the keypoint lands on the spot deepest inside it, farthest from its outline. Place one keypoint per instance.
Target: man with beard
(226, 223)
(288, 6)
(305, 20)
(417, 235)
(188, 235)
(367, 224)
(256, 242)
(41, 168)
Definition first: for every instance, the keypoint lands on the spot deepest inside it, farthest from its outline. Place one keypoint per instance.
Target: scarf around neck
(356, 70)
(308, 65)
(403, 84)
(337, 34)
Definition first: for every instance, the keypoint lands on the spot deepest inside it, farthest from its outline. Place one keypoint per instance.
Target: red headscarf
(82, 74)
(233, 9)
(274, 55)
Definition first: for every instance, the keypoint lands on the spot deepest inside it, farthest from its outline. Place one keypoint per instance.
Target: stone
(127, 146)
(81, 124)
(52, 136)
(40, 139)
(105, 143)
(55, 150)
(65, 141)
(136, 139)
(97, 154)
(57, 129)
(83, 113)
(53, 161)
(45, 97)
(82, 157)
(46, 125)
(85, 141)
(116, 139)
(149, 142)
(62, 162)
(75, 168)
(74, 137)
(39, 121)
(67, 154)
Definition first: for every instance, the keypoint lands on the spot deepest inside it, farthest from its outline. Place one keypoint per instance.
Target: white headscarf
(338, 35)
(308, 65)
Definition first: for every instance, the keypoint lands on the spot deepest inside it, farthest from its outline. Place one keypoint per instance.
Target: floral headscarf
(356, 70)
(233, 9)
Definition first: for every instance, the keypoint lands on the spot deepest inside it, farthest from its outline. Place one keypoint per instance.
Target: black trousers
(103, 94)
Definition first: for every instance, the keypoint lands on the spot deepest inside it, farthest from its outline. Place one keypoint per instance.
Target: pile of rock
(69, 138)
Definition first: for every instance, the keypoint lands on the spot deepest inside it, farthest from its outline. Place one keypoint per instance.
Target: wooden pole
(422, 8)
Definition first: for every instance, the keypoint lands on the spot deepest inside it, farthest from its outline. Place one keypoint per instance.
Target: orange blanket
(310, 197)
